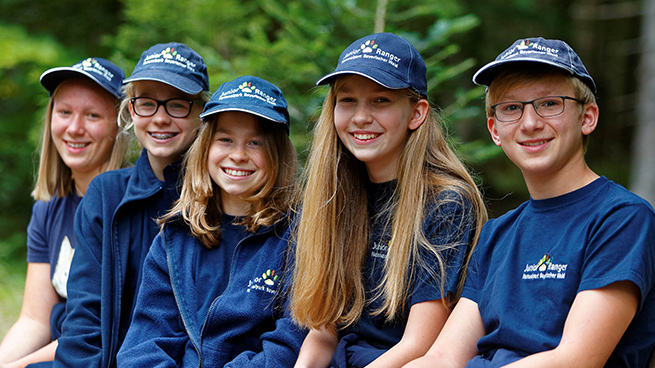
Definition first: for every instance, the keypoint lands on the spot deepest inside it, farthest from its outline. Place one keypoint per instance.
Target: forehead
(75, 89)
(156, 89)
(531, 88)
(237, 122)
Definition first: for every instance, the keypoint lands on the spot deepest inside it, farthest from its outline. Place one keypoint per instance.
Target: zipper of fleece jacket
(179, 308)
(229, 280)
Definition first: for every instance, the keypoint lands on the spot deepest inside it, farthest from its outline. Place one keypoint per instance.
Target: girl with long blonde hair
(389, 215)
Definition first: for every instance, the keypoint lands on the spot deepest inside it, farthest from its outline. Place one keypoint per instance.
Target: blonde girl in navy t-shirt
(389, 214)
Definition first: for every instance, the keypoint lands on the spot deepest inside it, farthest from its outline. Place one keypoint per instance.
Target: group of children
(207, 252)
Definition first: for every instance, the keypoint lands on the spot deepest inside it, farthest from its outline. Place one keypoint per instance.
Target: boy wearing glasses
(567, 278)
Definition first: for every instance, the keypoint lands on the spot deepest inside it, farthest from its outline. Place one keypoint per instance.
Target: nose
(530, 119)
(76, 126)
(161, 116)
(239, 154)
(362, 114)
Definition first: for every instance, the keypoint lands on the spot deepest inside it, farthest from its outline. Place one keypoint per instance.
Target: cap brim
(51, 78)
(379, 78)
(277, 118)
(172, 79)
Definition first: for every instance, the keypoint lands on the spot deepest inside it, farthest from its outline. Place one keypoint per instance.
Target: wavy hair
(53, 176)
(200, 199)
(333, 230)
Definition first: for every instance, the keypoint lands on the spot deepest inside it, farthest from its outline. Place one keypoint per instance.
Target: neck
(549, 186)
(158, 165)
(81, 181)
(233, 205)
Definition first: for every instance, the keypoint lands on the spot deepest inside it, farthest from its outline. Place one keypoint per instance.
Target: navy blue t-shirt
(447, 222)
(51, 239)
(530, 264)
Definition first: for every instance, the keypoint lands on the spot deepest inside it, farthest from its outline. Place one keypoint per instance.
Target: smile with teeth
(532, 144)
(76, 144)
(162, 136)
(235, 172)
(365, 136)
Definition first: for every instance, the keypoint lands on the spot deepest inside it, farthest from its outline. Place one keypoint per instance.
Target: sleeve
(621, 249)
(280, 347)
(155, 337)
(81, 342)
(37, 238)
(448, 228)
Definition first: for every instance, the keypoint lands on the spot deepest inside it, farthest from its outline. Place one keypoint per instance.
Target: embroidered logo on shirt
(545, 269)
(267, 282)
(380, 249)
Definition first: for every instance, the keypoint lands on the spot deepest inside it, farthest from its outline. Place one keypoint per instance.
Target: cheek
(57, 126)
(140, 124)
(105, 130)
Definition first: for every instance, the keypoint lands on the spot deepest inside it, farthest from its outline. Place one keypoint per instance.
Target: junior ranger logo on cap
(372, 50)
(91, 65)
(170, 56)
(248, 89)
(527, 47)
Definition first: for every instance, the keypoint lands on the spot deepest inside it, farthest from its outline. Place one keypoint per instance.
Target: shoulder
(112, 178)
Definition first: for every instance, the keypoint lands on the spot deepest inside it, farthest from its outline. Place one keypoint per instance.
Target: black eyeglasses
(545, 107)
(175, 107)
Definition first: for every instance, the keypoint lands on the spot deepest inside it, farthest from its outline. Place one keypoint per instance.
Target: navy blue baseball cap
(537, 50)
(252, 95)
(104, 72)
(386, 59)
(175, 64)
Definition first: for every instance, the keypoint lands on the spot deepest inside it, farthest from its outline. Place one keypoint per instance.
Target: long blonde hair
(333, 229)
(53, 176)
(200, 200)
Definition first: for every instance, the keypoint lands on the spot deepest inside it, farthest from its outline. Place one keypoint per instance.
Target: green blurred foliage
(291, 43)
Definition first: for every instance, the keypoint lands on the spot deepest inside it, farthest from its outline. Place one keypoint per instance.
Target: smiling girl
(115, 224)
(389, 215)
(209, 294)
(81, 139)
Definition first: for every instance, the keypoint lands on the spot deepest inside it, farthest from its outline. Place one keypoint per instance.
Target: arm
(457, 341)
(31, 331)
(318, 347)
(45, 354)
(425, 321)
(597, 320)
(155, 336)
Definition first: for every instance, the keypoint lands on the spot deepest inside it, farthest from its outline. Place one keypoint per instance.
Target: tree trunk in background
(643, 154)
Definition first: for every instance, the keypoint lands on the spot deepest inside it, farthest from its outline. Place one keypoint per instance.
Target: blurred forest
(294, 42)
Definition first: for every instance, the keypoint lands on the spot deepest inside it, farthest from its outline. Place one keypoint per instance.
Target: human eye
(510, 107)
(549, 102)
(63, 112)
(145, 102)
(255, 142)
(177, 104)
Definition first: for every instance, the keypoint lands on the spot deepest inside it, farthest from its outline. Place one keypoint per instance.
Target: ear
(491, 126)
(589, 118)
(130, 107)
(419, 114)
